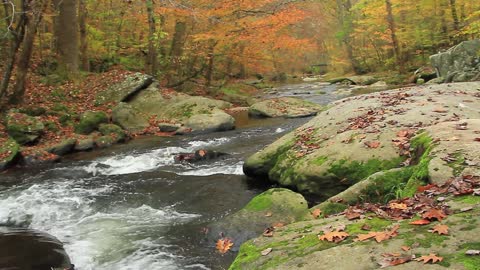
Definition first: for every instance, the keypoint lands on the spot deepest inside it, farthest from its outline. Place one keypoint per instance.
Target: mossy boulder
(105, 141)
(84, 144)
(64, 147)
(296, 246)
(215, 121)
(356, 137)
(284, 107)
(129, 118)
(274, 206)
(126, 89)
(23, 128)
(113, 130)
(89, 122)
(9, 152)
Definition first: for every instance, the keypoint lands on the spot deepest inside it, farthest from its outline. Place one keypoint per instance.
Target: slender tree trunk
(211, 55)
(453, 8)
(18, 35)
(345, 22)
(37, 8)
(66, 32)
(393, 34)
(82, 22)
(151, 63)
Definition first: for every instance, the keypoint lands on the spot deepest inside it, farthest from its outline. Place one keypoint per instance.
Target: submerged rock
(24, 249)
(284, 107)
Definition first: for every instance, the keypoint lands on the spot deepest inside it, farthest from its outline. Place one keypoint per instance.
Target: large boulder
(23, 128)
(64, 147)
(123, 91)
(215, 121)
(22, 249)
(89, 122)
(284, 107)
(9, 152)
(113, 130)
(271, 208)
(460, 63)
(360, 136)
(129, 118)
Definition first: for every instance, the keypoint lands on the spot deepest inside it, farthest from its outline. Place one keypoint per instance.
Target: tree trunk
(37, 8)
(210, 58)
(18, 35)
(393, 34)
(82, 22)
(345, 22)
(453, 8)
(66, 28)
(176, 51)
(151, 63)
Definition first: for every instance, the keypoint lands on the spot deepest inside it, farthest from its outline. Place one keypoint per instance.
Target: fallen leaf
(466, 209)
(268, 232)
(405, 248)
(440, 229)
(420, 222)
(316, 213)
(335, 236)
(400, 206)
(432, 257)
(268, 214)
(224, 245)
(363, 237)
(433, 213)
(386, 262)
(266, 251)
(278, 225)
(440, 110)
(477, 139)
(373, 144)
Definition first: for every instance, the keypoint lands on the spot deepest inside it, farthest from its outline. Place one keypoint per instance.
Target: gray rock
(84, 145)
(62, 148)
(9, 151)
(276, 205)
(459, 63)
(217, 121)
(23, 128)
(113, 130)
(167, 127)
(129, 118)
(126, 89)
(89, 122)
(284, 107)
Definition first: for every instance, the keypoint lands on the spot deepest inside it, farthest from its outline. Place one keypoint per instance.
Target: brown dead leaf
(268, 232)
(278, 225)
(392, 261)
(400, 206)
(430, 258)
(372, 144)
(440, 229)
(268, 214)
(316, 213)
(420, 222)
(405, 248)
(335, 236)
(440, 110)
(224, 245)
(434, 214)
(363, 237)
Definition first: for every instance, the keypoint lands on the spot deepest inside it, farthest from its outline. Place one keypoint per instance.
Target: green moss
(248, 253)
(376, 224)
(111, 129)
(90, 121)
(422, 145)
(355, 171)
(468, 199)
(320, 160)
(469, 262)
(331, 208)
(259, 203)
(9, 146)
(421, 235)
(387, 186)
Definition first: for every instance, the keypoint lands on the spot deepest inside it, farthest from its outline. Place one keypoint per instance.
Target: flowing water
(131, 206)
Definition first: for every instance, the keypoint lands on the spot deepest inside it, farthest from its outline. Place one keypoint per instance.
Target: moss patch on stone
(376, 224)
(422, 145)
(387, 187)
(469, 262)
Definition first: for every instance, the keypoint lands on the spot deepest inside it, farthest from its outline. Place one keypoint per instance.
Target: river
(132, 207)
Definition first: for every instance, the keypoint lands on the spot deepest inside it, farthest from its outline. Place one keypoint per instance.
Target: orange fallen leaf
(278, 225)
(405, 248)
(373, 144)
(434, 213)
(363, 237)
(392, 261)
(379, 236)
(432, 257)
(440, 229)
(316, 213)
(224, 245)
(420, 222)
(400, 206)
(335, 236)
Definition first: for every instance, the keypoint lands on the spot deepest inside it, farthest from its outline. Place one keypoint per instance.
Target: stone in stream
(284, 107)
(25, 249)
(199, 155)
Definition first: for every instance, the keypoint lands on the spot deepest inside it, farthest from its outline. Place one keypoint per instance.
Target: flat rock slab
(284, 107)
(126, 89)
(356, 136)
